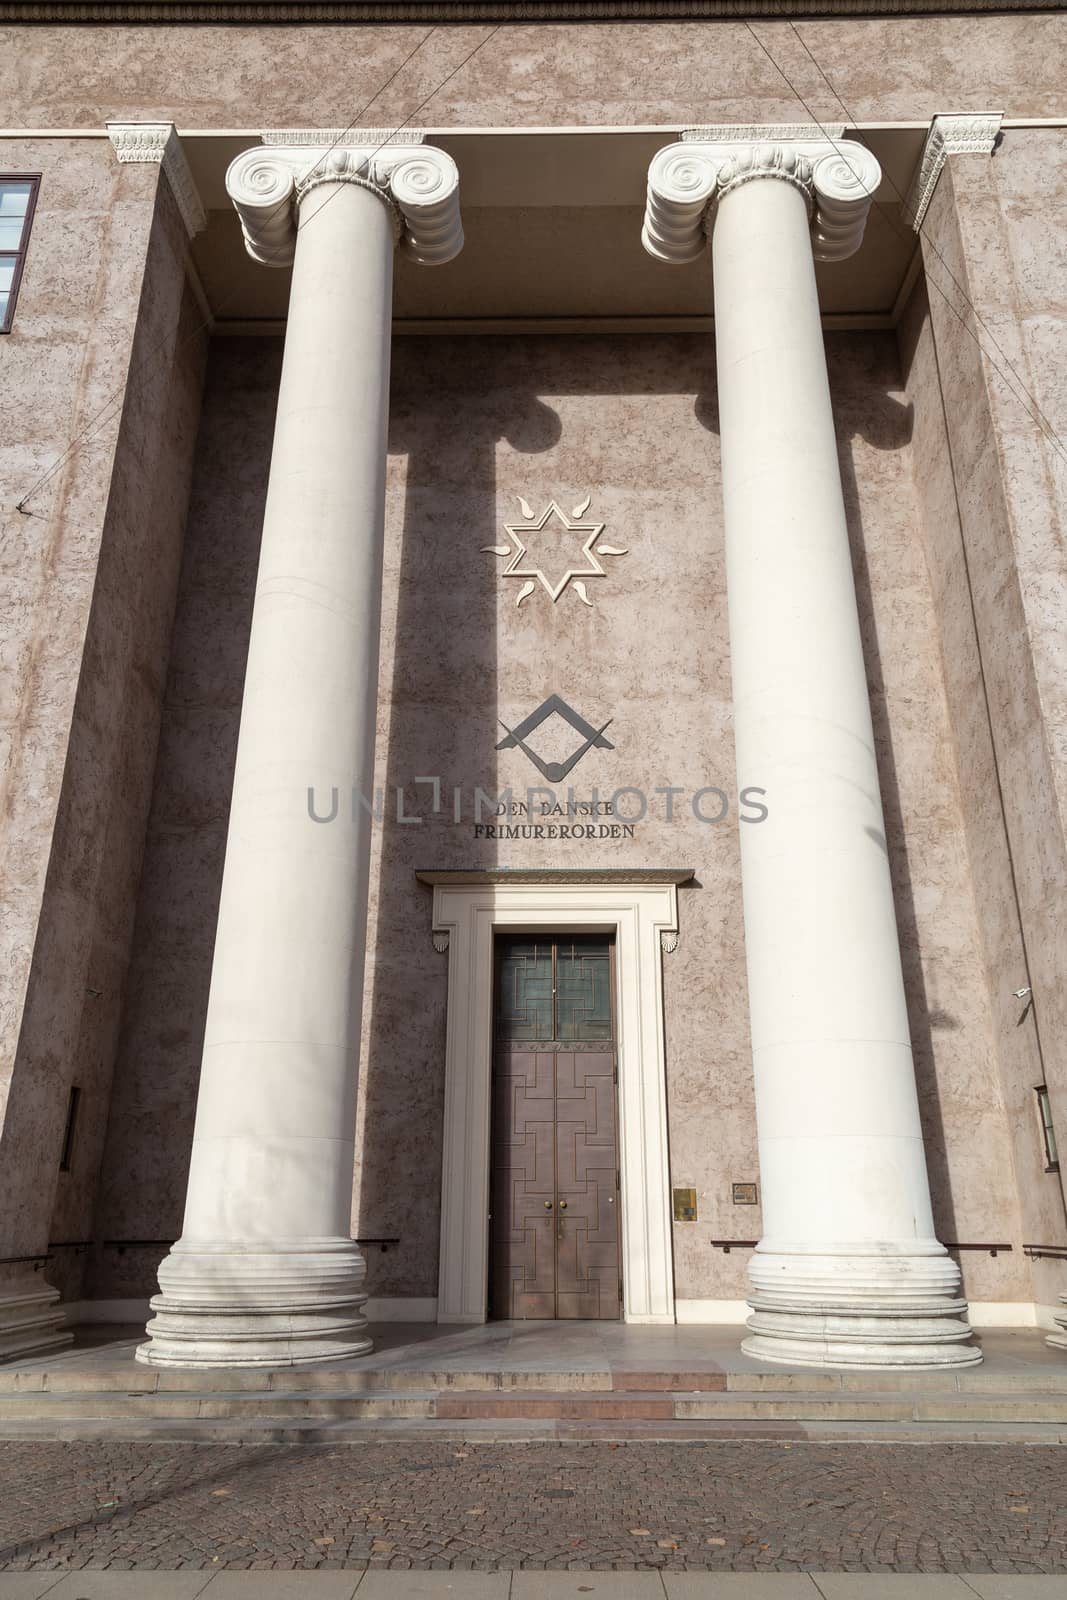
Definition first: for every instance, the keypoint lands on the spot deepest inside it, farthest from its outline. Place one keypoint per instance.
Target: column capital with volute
(687, 181)
(418, 183)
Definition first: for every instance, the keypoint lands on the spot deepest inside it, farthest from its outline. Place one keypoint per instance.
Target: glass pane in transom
(523, 989)
(583, 988)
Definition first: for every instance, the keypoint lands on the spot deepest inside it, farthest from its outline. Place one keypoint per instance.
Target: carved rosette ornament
(686, 182)
(418, 183)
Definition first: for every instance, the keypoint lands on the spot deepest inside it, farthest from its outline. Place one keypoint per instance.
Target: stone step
(239, 1429)
(127, 1378)
(460, 1406)
(732, 1406)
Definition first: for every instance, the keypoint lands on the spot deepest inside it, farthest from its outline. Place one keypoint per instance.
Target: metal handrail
(750, 1244)
(136, 1244)
(992, 1248)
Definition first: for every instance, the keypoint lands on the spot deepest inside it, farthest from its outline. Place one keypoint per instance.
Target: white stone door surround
(639, 908)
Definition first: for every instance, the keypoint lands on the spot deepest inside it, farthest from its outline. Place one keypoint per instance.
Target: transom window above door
(554, 988)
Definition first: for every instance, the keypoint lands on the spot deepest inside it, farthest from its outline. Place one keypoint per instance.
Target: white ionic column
(849, 1272)
(265, 1271)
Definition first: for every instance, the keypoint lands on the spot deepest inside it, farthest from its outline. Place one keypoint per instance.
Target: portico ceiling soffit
(553, 221)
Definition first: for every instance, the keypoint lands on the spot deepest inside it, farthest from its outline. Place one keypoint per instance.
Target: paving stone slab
(130, 1586)
(26, 1585)
(1016, 1587)
(429, 1586)
(886, 1586)
(585, 1586)
(741, 1586)
(284, 1586)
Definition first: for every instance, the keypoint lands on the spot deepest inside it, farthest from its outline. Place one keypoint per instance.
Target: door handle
(548, 1205)
(562, 1205)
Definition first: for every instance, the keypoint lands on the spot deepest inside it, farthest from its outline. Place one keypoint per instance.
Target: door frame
(641, 909)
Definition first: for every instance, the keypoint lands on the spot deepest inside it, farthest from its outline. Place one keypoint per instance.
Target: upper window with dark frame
(18, 196)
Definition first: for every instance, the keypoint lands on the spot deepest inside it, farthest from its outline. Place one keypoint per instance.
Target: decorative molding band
(839, 178)
(159, 142)
(331, 137)
(949, 136)
(418, 182)
(773, 132)
(446, 877)
(139, 12)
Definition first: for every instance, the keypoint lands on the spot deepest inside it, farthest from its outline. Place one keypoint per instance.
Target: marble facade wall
(97, 357)
(956, 508)
(477, 424)
(884, 69)
(997, 231)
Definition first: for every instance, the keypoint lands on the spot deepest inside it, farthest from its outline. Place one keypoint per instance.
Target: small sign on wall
(685, 1205)
(744, 1194)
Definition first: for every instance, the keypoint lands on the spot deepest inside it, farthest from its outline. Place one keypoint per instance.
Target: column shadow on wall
(141, 1197)
(440, 701)
(886, 423)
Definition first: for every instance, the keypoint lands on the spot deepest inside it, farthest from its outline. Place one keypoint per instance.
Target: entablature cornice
(159, 142)
(418, 182)
(838, 177)
(968, 133)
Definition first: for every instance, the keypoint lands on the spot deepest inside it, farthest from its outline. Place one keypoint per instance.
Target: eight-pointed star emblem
(575, 565)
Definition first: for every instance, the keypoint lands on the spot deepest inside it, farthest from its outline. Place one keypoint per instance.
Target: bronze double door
(555, 1172)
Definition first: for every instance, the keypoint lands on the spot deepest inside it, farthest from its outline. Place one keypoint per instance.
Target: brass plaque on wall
(685, 1205)
(744, 1194)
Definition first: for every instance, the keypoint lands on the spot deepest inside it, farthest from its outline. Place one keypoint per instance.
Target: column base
(31, 1318)
(883, 1310)
(1058, 1341)
(249, 1304)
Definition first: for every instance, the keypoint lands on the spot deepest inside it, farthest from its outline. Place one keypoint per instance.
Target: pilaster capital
(949, 135)
(418, 183)
(159, 142)
(686, 181)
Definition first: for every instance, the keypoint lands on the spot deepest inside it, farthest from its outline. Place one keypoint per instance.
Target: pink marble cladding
(1014, 1035)
(157, 1065)
(998, 227)
(535, 75)
(477, 423)
(143, 585)
(86, 626)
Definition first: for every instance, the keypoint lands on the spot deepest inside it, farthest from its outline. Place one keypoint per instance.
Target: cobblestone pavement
(729, 1506)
